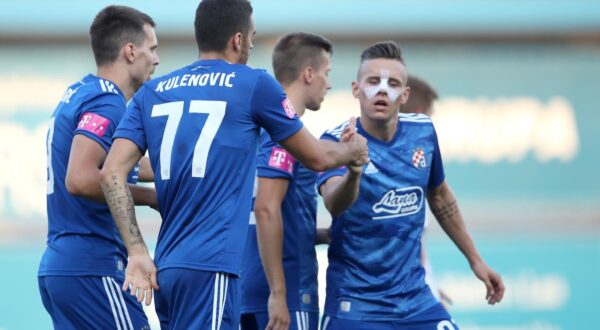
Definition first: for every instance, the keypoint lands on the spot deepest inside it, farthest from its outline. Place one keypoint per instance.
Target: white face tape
(383, 86)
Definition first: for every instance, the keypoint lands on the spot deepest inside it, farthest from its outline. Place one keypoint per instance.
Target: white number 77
(174, 111)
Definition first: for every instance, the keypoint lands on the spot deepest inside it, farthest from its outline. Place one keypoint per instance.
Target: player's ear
(129, 52)
(355, 89)
(307, 74)
(405, 95)
(237, 41)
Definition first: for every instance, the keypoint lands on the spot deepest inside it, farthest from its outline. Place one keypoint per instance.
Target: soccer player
(421, 99)
(301, 62)
(375, 278)
(83, 266)
(200, 125)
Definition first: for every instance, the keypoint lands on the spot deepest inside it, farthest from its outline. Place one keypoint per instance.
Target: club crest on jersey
(288, 107)
(399, 202)
(418, 158)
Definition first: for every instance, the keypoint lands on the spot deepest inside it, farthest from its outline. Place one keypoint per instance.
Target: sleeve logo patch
(288, 107)
(93, 123)
(281, 159)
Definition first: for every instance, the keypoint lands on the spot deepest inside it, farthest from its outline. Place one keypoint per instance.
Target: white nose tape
(383, 86)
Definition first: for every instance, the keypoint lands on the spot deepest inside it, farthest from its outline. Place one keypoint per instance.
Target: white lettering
(408, 201)
(184, 79)
(228, 79)
(160, 86)
(194, 80)
(204, 79)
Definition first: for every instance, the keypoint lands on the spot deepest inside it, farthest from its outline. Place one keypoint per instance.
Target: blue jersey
(200, 125)
(82, 237)
(299, 215)
(374, 268)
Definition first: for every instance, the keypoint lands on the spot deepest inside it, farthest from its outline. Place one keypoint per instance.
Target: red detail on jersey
(93, 123)
(288, 107)
(282, 160)
(418, 157)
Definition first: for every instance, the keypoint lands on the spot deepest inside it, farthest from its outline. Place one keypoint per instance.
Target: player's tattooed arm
(445, 208)
(140, 274)
(121, 158)
(445, 212)
(120, 202)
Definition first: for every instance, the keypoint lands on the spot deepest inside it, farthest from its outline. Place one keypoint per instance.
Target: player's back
(82, 238)
(200, 126)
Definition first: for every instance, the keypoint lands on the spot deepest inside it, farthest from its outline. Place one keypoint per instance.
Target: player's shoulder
(96, 89)
(414, 118)
(337, 131)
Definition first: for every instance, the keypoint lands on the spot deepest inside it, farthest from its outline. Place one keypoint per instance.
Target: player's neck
(213, 55)
(296, 96)
(381, 130)
(119, 77)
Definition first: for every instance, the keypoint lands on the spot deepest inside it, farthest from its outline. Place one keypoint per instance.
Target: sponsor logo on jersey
(93, 123)
(282, 160)
(288, 107)
(399, 202)
(418, 158)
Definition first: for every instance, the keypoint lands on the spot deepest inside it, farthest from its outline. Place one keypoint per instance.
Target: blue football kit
(82, 269)
(299, 214)
(375, 278)
(200, 125)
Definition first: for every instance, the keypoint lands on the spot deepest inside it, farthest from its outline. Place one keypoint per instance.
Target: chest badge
(418, 158)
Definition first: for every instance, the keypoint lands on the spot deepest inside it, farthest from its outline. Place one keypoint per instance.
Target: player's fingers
(269, 325)
(489, 289)
(132, 289)
(149, 294)
(125, 285)
(352, 124)
(154, 281)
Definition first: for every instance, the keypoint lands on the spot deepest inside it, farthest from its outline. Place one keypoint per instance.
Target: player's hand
(357, 143)
(279, 316)
(140, 278)
(493, 282)
(349, 131)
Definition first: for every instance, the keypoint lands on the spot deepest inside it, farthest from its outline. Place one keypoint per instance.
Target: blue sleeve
(272, 110)
(436, 176)
(132, 125)
(273, 161)
(324, 176)
(98, 118)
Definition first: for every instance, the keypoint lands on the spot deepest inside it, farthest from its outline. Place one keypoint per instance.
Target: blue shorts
(299, 321)
(196, 299)
(90, 302)
(435, 318)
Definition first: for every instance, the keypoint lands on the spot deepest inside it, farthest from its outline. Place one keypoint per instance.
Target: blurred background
(517, 121)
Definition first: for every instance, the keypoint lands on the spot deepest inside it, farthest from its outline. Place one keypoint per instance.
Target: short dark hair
(113, 27)
(385, 49)
(422, 95)
(295, 51)
(218, 20)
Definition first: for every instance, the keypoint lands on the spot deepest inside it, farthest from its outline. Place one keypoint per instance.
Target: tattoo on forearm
(445, 212)
(120, 201)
